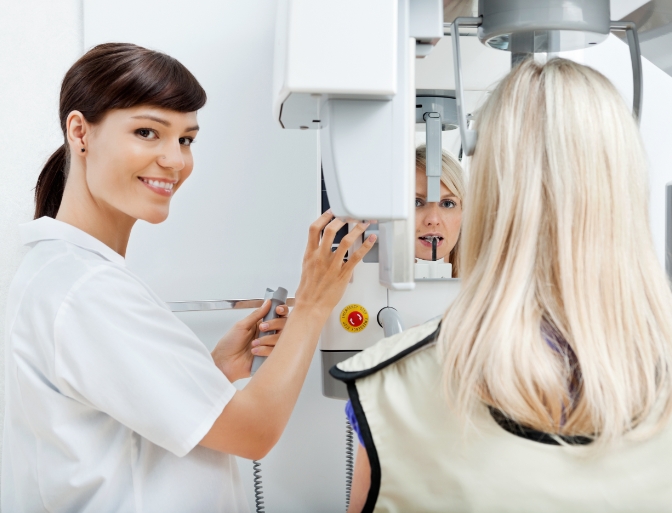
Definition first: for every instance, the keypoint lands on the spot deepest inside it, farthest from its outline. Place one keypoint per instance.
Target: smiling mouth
(167, 186)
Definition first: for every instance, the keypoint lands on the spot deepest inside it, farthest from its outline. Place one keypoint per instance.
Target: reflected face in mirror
(441, 220)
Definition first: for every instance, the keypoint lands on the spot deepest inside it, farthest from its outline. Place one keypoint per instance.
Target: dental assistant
(112, 403)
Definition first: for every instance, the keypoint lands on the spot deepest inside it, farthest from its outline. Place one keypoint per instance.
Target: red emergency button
(354, 318)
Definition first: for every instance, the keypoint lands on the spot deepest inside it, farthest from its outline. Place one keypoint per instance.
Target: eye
(147, 133)
(448, 204)
(186, 141)
(418, 203)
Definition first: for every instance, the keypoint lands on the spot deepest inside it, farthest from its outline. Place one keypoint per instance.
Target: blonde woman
(442, 219)
(546, 386)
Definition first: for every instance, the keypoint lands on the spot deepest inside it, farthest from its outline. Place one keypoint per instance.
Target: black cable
(349, 461)
(258, 490)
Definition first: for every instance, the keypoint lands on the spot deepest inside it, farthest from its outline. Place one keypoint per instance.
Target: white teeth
(156, 183)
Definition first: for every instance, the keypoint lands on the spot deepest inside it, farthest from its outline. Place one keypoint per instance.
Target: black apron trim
(370, 447)
(528, 433)
(347, 377)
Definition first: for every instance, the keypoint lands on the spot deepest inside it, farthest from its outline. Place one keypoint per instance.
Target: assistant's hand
(253, 420)
(324, 274)
(235, 350)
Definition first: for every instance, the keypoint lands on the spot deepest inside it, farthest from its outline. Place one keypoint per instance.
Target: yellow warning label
(354, 318)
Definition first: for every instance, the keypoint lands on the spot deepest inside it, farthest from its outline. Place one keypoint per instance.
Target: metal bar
(636, 58)
(448, 27)
(219, 304)
(468, 136)
(434, 156)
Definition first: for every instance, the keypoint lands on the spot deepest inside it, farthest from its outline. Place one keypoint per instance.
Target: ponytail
(50, 185)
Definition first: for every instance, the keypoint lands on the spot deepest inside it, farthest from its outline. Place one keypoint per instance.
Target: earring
(82, 150)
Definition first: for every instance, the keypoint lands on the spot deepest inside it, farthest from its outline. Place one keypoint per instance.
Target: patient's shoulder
(388, 351)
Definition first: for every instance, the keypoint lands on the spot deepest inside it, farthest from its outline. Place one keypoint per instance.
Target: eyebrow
(419, 193)
(164, 122)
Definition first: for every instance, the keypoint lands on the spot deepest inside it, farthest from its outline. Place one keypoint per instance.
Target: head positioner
(525, 27)
(437, 109)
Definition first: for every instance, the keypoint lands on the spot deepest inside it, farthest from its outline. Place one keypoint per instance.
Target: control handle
(278, 297)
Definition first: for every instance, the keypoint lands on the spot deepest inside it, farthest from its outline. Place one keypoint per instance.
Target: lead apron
(423, 458)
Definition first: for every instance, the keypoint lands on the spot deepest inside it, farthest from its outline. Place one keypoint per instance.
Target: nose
(172, 157)
(431, 215)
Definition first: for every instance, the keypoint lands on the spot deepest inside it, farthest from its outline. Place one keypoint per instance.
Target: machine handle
(278, 297)
(467, 135)
(636, 58)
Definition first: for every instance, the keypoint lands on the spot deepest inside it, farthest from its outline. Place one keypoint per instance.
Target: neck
(99, 219)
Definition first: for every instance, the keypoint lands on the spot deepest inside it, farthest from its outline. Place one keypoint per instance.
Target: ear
(77, 131)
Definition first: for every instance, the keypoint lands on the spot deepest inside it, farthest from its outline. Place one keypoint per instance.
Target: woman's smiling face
(137, 158)
(441, 220)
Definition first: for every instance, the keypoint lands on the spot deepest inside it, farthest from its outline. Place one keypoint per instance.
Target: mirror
(437, 224)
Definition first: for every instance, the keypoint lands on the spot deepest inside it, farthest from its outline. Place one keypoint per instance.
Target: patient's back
(423, 458)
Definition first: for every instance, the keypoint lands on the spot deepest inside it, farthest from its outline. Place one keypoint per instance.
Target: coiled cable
(349, 461)
(258, 490)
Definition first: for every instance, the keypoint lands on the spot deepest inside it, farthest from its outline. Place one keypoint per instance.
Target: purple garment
(560, 346)
(350, 413)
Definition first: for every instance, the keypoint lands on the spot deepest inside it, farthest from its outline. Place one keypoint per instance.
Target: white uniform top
(107, 392)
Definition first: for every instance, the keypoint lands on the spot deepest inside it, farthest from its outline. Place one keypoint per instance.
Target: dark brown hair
(113, 76)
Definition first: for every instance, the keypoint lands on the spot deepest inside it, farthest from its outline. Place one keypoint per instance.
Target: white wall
(40, 39)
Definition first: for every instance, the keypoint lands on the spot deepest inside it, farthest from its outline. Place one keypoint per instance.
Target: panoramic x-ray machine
(347, 69)
(362, 98)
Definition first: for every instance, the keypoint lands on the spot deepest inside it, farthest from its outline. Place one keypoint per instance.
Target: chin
(155, 217)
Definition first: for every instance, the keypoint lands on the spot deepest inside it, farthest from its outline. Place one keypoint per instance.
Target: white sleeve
(121, 352)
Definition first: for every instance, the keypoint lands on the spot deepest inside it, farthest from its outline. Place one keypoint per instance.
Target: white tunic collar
(46, 228)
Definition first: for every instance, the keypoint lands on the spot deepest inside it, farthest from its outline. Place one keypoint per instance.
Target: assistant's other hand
(324, 274)
(253, 420)
(235, 350)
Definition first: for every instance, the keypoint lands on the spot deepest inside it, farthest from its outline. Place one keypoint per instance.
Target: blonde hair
(452, 176)
(564, 320)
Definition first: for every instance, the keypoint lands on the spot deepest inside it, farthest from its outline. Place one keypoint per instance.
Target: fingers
(315, 230)
(262, 351)
(330, 234)
(357, 256)
(350, 239)
(282, 310)
(273, 325)
(264, 346)
(251, 320)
